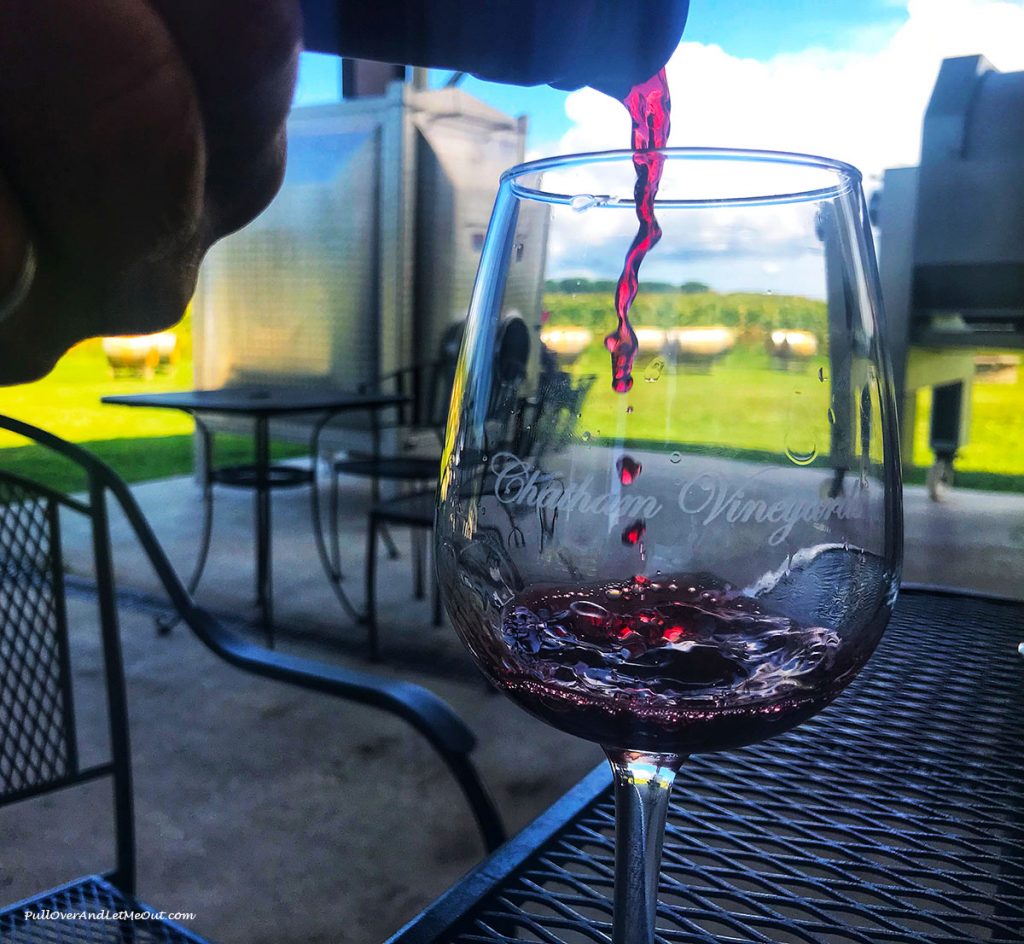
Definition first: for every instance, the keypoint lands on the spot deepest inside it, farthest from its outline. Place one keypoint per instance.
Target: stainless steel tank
(952, 247)
(370, 249)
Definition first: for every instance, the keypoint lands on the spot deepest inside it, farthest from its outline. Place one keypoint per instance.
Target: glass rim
(848, 177)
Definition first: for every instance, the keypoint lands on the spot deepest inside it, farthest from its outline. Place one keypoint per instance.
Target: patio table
(896, 816)
(261, 405)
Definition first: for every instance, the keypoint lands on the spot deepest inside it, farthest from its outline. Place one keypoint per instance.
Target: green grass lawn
(140, 444)
(743, 402)
(738, 402)
(67, 401)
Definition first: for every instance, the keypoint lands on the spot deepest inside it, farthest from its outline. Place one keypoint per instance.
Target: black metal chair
(428, 387)
(39, 746)
(543, 422)
(408, 460)
(416, 512)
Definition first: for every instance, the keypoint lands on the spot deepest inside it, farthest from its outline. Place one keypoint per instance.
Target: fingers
(100, 132)
(132, 135)
(242, 56)
(14, 241)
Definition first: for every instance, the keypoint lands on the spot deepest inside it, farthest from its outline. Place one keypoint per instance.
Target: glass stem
(643, 784)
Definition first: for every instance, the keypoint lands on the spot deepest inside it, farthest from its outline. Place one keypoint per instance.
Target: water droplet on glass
(633, 533)
(629, 470)
(831, 415)
(802, 455)
(585, 436)
(821, 374)
(583, 201)
(629, 409)
(654, 369)
(676, 457)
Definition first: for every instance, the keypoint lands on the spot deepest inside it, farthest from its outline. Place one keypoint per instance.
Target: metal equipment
(952, 248)
(369, 251)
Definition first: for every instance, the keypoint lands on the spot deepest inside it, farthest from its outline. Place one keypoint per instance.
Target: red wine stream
(649, 107)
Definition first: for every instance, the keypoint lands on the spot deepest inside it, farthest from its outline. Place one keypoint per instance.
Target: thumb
(14, 244)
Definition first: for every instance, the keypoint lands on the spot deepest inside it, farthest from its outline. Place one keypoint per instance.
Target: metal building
(369, 251)
(952, 247)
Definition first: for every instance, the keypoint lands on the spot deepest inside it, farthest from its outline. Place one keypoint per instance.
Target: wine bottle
(606, 44)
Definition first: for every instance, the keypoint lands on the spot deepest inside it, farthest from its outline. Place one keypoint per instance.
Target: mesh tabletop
(896, 815)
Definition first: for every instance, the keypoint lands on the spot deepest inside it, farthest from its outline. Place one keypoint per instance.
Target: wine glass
(709, 558)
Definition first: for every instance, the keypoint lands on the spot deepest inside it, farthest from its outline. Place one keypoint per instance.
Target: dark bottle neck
(607, 44)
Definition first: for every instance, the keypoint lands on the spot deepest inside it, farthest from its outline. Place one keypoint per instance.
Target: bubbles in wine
(689, 662)
(701, 641)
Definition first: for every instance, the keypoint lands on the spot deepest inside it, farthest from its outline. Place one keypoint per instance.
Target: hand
(133, 135)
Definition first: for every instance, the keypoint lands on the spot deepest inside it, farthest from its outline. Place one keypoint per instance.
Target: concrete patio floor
(278, 816)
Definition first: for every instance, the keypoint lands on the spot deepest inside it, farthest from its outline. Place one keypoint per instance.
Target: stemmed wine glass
(708, 558)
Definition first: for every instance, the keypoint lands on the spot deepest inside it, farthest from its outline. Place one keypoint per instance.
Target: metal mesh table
(261, 405)
(896, 816)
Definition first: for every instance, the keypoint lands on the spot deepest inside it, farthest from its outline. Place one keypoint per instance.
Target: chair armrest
(446, 732)
(429, 715)
(418, 706)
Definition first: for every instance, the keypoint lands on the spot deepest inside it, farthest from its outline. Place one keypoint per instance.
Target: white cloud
(864, 108)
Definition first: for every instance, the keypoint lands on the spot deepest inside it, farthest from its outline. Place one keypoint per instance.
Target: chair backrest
(442, 377)
(511, 357)
(554, 413)
(39, 749)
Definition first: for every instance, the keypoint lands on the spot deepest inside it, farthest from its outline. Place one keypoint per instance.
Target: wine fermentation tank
(369, 251)
(952, 247)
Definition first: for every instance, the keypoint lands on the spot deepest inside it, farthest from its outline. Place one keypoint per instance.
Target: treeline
(742, 311)
(584, 286)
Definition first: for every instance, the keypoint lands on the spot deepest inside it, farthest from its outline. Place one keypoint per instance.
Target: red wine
(678, 664)
(649, 108)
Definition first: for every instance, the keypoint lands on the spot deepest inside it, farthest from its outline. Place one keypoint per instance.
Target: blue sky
(849, 79)
(755, 29)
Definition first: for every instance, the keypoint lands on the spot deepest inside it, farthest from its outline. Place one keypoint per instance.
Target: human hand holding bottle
(136, 133)
(133, 134)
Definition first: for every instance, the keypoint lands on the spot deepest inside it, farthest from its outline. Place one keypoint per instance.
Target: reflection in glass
(706, 560)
